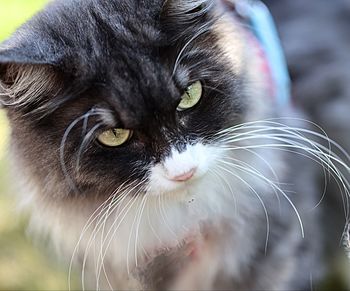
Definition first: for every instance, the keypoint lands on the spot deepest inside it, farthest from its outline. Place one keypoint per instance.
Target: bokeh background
(23, 265)
(316, 37)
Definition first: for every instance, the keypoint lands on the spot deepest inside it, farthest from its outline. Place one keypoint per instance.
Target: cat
(151, 150)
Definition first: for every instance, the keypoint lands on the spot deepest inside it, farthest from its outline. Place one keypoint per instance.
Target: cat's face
(95, 94)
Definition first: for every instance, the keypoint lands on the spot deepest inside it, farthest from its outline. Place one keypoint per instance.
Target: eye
(191, 97)
(114, 137)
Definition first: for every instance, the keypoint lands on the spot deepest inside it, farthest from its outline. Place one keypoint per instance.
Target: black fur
(118, 56)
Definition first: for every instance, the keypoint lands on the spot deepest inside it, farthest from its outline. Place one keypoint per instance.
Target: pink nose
(184, 177)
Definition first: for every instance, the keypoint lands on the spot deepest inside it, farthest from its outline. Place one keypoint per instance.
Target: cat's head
(102, 94)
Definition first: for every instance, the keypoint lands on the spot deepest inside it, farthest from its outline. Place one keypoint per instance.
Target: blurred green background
(23, 265)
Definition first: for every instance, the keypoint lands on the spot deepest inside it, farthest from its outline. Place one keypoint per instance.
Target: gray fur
(127, 64)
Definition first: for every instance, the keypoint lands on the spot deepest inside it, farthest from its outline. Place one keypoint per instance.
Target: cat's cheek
(180, 172)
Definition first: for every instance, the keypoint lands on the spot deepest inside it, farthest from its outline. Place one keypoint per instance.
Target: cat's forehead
(129, 52)
(84, 32)
(140, 91)
(118, 45)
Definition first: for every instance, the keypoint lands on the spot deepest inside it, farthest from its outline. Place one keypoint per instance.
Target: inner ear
(25, 84)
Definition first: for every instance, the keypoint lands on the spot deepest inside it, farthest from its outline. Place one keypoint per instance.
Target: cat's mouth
(185, 176)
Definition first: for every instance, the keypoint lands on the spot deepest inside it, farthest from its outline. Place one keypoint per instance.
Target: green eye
(114, 137)
(191, 97)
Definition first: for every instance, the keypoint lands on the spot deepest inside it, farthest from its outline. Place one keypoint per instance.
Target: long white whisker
(131, 234)
(163, 216)
(278, 189)
(143, 204)
(151, 226)
(115, 202)
(258, 174)
(89, 222)
(220, 177)
(333, 170)
(320, 151)
(94, 216)
(98, 225)
(110, 233)
(100, 261)
(97, 228)
(318, 154)
(62, 149)
(87, 139)
(296, 132)
(260, 200)
(123, 213)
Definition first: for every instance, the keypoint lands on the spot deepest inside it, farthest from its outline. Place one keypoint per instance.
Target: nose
(185, 176)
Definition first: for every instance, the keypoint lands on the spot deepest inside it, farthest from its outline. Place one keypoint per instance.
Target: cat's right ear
(27, 68)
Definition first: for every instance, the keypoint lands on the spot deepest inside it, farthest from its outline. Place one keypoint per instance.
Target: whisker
(163, 216)
(87, 139)
(151, 226)
(261, 201)
(314, 144)
(89, 222)
(123, 213)
(275, 126)
(94, 233)
(277, 188)
(111, 206)
(131, 234)
(215, 89)
(293, 138)
(100, 261)
(98, 225)
(62, 149)
(139, 223)
(316, 157)
(220, 177)
(258, 174)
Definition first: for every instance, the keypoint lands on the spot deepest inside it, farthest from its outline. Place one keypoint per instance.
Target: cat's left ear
(184, 17)
(27, 69)
(180, 17)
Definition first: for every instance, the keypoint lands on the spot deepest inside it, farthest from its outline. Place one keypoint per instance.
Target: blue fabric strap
(265, 30)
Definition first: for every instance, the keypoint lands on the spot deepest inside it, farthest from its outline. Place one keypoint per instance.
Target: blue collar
(265, 30)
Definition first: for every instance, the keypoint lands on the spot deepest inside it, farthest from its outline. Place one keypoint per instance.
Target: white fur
(173, 214)
(197, 157)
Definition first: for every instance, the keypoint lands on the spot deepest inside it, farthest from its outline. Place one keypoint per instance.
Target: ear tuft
(26, 84)
(181, 18)
(26, 68)
(186, 10)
